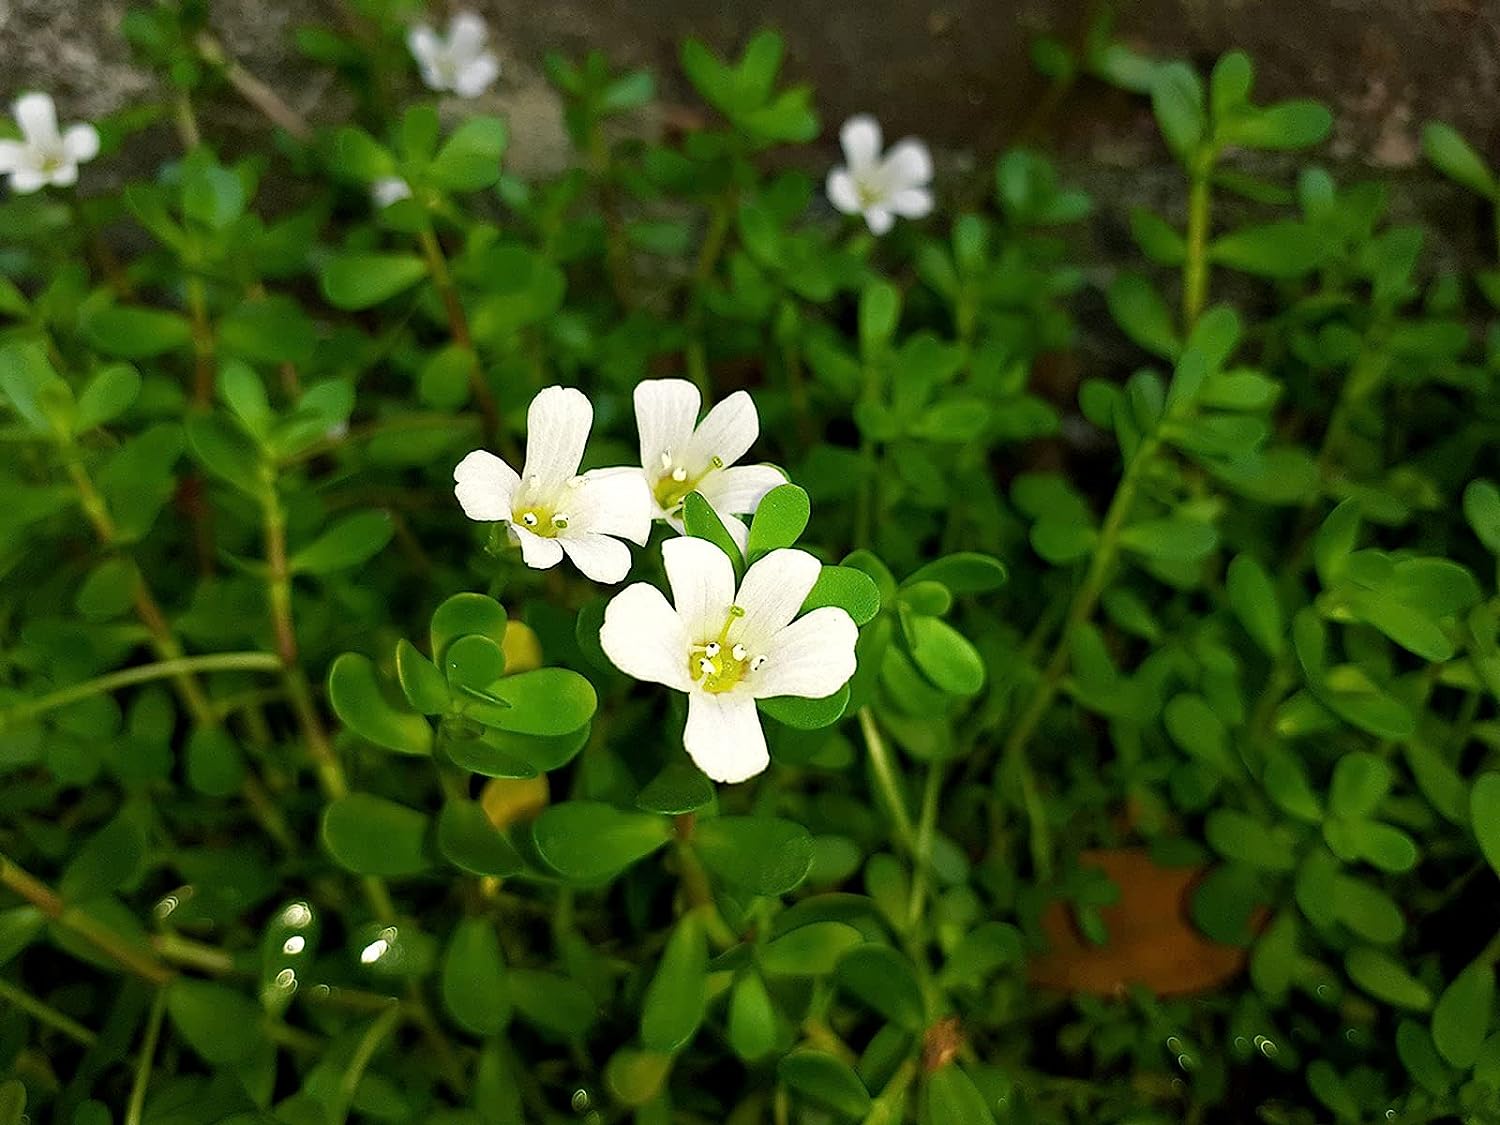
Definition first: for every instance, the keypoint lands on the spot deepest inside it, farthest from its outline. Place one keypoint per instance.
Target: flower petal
(739, 489)
(484, 485)
(860, 139)
(539, 552)
(771, 594)
(597, 556)
(423, 43)
(702, 581)
(812, 657)
(12, 156)
(908, 164)
(476, 76)
(879, 220)
(64, 175)
(644, 637)
(37, 117)
(665, 413)
(23, 181)
(911, 203)
(842, 192)
(737, 530)
(612, 502)
(727, 432)
(557, 427)
(81, 143)
(466, 35)
(724, 737)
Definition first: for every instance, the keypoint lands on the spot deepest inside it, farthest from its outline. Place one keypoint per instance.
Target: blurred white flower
(551, 510)
(388, 190)
(680, 455)
(880, 187)
(460, 62)
(45, 154)
(728, 648)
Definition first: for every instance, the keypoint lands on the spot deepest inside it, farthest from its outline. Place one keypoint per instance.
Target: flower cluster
(724, 646)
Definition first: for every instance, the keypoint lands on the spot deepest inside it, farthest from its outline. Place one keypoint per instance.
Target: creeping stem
(1195, 263)
(458, 328)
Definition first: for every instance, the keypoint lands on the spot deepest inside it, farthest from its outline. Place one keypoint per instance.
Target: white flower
(460, 62)
(728, 648)
(680, 455)
(880, 188)
(45, 155)
(551, 510)
(388, 190)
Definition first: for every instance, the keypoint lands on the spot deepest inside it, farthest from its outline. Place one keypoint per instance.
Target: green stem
(1195, 263)
(1080, 610)
(708, 261)
(143, 1064)
(869, 456)
(46, 1014)
(164, 669)
(616, 249)
(458, 328)
(922, 853)
(883, 765)
(364, 1053)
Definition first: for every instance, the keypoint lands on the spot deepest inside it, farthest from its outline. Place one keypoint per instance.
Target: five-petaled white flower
(388, 190)
(550, 508)
(728, 648)
(461, 62)
(45, 154)
(680, 455)
(880, 188)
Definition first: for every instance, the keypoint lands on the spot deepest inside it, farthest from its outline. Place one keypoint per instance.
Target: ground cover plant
(670, 642)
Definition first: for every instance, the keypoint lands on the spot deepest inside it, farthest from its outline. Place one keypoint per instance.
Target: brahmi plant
(684, 640)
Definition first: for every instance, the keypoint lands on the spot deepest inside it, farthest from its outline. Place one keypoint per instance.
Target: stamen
(716, 461)
(666, 458)
(560, 521)
(738, 652)
(712, 649)
(707, 666)
(736, 611)
(758, 663)
(679, 474)
(529, 519)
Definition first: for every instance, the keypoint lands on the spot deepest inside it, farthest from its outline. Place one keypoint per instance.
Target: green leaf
(1157, 239)
(1239, 836)
(885, 981)
(108, 860)
(851, 589)
(702, 522)
(370, 835)
(1361, 781)
(1177, 100)
(1252, 596)
(1484, 813)
(964, 572)
(19, 927)
(752, 1017)
(1335, 540)
(1455, 158)
(33, 388)
(1462, 1017)
(245, 394)
(951, 1096)
(1383, 977)
(353, 540)
(945, 656)
(680, 788)
(464, 615)
(215, 763)
(221, 1024)
(360, 281)
(359, 156)
(1366, 910)
(1143, 314)
(470, 159)
(473, 978)
(424, 686)
(1200, 733)
(779, 519)
(1283, 249)
(759, 854)
(1061, 542)
(1482, 509)
(544, 702)
(806, 714)
(133, 333)
(1171, 540)
(590, 841)
(358, 700)
(473, 662)
(107, 395)
(879, 312)
(552, 1002)
(109, 591)
(675, 999)
(225, 451)
(823, 1079)
(812, 950)
(636, 1077)
(468, 840)
(1285, 125)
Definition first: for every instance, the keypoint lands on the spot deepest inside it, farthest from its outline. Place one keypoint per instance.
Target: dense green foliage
(319, 805)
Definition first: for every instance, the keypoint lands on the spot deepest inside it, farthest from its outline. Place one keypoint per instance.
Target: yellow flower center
(542, 521)
(717, 665)
(675, 482)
